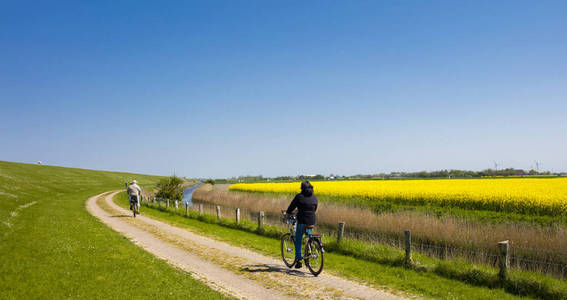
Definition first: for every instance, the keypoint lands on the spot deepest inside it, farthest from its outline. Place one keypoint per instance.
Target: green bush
(170, 188)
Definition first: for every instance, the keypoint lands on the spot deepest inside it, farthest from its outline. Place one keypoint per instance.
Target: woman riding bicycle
(306, 204)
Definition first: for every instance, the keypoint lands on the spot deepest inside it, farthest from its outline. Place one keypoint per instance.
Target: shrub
(170, 188)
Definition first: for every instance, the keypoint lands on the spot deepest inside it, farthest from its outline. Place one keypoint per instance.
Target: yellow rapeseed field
(539, 196)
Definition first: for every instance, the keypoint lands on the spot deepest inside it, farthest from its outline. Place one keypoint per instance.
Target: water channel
(188, 195)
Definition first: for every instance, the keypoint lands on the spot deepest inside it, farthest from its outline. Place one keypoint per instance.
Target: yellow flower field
(538, 196)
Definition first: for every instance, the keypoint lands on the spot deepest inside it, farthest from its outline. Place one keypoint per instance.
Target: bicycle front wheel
(288, 250)
(314, 259)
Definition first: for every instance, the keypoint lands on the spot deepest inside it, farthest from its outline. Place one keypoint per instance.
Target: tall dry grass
(445, 237)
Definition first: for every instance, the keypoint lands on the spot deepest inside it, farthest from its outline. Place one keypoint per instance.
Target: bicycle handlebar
(288, 218)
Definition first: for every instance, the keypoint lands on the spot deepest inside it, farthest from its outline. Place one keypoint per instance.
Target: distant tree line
(454, 174)
(393, 175)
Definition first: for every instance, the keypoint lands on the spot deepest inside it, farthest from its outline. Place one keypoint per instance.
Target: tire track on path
(212, 274)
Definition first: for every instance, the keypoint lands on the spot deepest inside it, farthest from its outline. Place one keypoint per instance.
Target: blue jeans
(134, 200)
(298, 237)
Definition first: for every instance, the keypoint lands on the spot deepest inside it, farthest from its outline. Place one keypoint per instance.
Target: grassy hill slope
(51, 247)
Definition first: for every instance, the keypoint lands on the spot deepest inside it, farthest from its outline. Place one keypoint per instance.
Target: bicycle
(313, 253)
(134, 206)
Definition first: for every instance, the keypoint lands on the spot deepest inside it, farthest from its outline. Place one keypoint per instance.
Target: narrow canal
(188, 195)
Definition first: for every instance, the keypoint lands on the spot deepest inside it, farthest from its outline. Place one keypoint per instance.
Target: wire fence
(521, 258)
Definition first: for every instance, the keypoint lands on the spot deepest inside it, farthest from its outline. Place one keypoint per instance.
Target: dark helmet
(306, 188)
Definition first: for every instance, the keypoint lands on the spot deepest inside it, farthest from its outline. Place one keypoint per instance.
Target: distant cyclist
(134, 191)
(306, 204)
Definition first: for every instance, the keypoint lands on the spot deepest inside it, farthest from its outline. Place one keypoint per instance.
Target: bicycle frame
(291, 220)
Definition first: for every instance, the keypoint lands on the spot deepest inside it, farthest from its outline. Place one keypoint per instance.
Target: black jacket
(306, 203)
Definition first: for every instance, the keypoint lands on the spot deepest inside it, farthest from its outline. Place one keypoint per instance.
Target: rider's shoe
(298, 265)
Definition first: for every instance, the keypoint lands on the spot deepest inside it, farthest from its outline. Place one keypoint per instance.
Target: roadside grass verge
(378, 265)
(54, 249)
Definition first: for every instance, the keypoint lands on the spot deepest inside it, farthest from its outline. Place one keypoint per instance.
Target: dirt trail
(232, 270)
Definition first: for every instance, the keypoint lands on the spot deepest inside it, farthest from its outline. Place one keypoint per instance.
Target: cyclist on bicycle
(306, 204)
(134, 191)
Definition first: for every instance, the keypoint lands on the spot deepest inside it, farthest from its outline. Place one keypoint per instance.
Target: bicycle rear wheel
(288, 250)
(314, 258)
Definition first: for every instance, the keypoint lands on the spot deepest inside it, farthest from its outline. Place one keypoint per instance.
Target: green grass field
(52, 248)
(379, 265)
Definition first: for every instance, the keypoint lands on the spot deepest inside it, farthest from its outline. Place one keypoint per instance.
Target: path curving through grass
(244, 273)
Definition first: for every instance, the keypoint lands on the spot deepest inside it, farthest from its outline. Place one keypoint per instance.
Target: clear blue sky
(228, 88)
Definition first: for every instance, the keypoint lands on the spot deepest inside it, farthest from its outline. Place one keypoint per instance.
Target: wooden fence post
(238, 216)
(260, 221)
(408, 260)
(340, 232)
(503, 259)
(200, 209)
(218, 213)
(186, 208)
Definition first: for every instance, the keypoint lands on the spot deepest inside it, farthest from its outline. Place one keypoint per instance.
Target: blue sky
(228, 88)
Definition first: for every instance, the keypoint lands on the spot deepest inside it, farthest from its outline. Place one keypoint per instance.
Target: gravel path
(232, 270)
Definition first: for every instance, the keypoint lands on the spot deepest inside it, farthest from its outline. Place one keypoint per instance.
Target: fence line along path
(236, 271)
